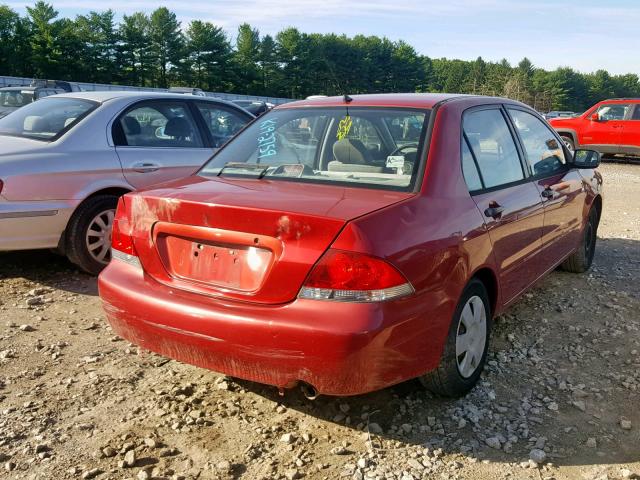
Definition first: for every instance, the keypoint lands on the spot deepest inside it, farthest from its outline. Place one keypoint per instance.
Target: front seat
(178, 128)
(352, 156)
(131, 126)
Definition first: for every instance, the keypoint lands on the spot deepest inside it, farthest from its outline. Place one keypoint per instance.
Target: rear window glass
(46, 119)
(367, 146)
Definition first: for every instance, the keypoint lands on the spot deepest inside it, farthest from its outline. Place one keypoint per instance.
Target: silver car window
(160, 124)
(222, 123)
(46, 119)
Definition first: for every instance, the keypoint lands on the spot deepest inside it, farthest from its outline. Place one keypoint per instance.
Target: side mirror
(595, 117)
(585, 158)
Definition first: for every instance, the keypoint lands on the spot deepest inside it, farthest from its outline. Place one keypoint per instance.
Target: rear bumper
(339, 348)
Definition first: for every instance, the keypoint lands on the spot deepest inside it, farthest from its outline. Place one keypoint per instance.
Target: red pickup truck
(610, 127)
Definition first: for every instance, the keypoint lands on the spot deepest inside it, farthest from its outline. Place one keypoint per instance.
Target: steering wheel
(403, 147)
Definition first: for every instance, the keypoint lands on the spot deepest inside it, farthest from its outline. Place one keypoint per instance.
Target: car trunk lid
(243, 239)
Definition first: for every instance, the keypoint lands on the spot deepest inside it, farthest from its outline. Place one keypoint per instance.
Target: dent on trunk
(145, 212)
(288, 229)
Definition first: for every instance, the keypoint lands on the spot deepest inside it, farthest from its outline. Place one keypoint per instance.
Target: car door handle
(494, 212)
(145, 167)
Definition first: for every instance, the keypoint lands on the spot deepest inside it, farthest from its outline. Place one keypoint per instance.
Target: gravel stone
(493, 442)
(288, 438)
(538, 456)
(129, 459)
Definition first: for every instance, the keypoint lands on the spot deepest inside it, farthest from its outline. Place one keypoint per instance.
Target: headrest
(351, 150)
(178, 127)
(131, 126)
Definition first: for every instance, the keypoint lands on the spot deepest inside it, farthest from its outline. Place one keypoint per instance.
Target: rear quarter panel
(594, 188)
(71, 168)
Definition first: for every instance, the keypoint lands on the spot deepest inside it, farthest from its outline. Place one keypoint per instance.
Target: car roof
(104, 96)
(18, 88)
(620, 100)
(402, 100)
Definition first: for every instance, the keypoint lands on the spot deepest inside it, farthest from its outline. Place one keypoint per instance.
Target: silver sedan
(66, 159)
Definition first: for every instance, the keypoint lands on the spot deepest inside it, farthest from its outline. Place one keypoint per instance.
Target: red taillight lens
(121, 232)
(351, 276)
(342, 270)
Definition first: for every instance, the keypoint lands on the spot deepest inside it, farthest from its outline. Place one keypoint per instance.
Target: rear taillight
(354, 277)
(121, 240)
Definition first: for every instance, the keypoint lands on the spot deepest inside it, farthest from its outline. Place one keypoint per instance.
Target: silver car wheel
(98, 238)
(471, 336)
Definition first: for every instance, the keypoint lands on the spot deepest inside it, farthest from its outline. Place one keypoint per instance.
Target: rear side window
(542, 148)
(636, 112)
(157, 125)
(493, 147)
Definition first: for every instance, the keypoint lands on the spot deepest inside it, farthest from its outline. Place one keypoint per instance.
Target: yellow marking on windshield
(344, 127)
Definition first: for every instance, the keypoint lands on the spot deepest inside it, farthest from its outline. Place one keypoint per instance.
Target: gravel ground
(559, 399)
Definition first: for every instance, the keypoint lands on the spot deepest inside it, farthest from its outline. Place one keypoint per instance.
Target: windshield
(46, 119)
(15, 98)
(369, 146)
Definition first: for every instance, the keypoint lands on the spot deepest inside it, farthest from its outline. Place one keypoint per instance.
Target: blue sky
(584, 34)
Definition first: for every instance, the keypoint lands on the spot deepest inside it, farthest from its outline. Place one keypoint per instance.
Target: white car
(65, 160)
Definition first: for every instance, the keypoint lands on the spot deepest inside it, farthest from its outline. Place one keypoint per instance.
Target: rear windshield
(15, 98)
(367, 146)
(46, 119)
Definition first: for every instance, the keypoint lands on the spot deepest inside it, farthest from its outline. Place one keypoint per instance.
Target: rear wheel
(580, 261)
(569, 143)
(88, 238)
(465, 352)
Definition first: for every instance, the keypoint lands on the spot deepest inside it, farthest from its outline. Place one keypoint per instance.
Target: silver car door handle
(145, 167)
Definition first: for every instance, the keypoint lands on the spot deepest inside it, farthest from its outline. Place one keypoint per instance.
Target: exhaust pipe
(309, 391)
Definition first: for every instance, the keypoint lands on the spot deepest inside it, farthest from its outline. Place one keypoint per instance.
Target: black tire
(77, 230)
(568, 141)
(580, 261)
(447, 380)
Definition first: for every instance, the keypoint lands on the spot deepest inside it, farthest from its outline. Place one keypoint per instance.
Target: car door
(605, 132)
(630, 142)
(560, 187)
(159, 140)
(509, 201)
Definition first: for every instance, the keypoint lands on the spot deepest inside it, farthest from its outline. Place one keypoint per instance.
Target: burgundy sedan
(351, 243)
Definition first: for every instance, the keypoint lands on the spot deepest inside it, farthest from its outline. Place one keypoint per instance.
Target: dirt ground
(562, 388)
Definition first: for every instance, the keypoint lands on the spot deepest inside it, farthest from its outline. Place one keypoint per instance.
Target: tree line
(155, 50)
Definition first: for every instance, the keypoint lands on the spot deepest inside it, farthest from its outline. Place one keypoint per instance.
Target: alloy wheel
(98, 237)
(471, 336)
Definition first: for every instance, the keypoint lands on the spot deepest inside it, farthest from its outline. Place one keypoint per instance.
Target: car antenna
(347, 99)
